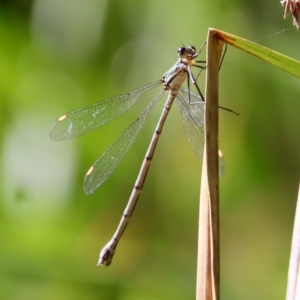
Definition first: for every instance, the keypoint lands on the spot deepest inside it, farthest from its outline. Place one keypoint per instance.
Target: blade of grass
(208, 268)
(279, 60)
(293, 289)
(293, 67)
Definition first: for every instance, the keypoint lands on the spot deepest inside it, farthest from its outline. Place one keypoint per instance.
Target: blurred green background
(59, 55)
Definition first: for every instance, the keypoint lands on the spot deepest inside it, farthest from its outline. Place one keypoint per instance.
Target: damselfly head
(186, 52)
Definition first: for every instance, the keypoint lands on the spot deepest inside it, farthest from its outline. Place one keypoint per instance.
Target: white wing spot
(90, 171)
(62, 118)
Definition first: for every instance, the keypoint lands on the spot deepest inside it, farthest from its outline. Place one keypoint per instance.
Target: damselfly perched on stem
(85, 119)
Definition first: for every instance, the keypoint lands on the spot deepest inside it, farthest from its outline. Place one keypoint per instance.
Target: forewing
(192, 119)
(88, 118)
(193, 123)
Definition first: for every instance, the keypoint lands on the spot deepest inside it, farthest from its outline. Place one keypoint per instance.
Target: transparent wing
(110, 159)
(88, 118)
(193, 122)
(192, 119)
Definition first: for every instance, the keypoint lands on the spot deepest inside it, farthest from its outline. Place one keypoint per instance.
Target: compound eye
(182, 52)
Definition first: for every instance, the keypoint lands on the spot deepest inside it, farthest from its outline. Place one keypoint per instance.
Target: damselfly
(91, 117)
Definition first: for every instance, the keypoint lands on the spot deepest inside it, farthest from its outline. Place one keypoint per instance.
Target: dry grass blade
(208, 269)
(293, 288)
